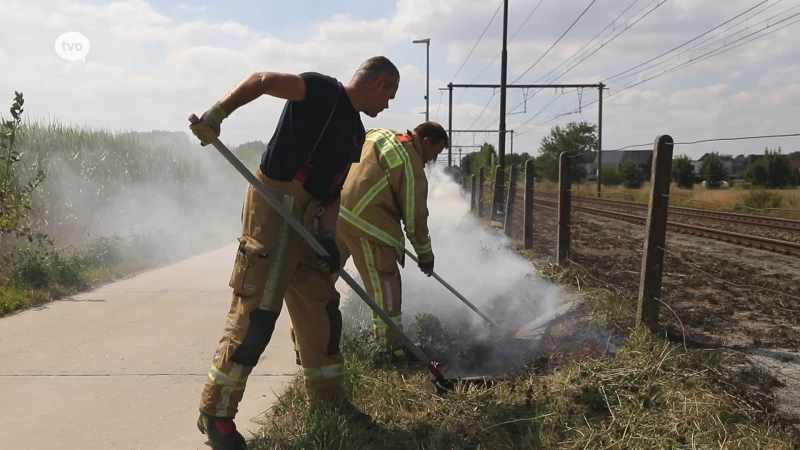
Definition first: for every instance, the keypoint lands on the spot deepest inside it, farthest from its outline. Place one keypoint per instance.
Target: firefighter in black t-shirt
(318, 136)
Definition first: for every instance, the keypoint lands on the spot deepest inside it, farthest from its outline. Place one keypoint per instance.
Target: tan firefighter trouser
(377, 265)
(274, 263)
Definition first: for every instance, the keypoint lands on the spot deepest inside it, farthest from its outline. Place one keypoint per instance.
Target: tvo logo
(72, 46)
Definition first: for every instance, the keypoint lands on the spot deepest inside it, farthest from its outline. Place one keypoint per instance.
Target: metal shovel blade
(535, 329)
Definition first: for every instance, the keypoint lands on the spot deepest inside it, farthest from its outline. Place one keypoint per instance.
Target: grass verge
(742, 198)
(37, 274)
(579, 392)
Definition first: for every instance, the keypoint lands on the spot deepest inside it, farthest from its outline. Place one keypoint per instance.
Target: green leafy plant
(632, 175)
(683, 172)
(15, 196)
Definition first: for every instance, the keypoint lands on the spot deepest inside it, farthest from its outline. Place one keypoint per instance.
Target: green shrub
(610, 176)
(762, 199)
(683, 172)
(104, 252)
(632, 175)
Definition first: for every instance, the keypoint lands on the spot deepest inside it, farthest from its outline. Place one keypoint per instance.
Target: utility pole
(427, 42)
(450, 126)
(599, 137)
(501, 150)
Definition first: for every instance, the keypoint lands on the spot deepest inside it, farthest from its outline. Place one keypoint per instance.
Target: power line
(727, 47)
(479, 39)
(556, 42)
(739, 138)
(658, 4)
(441, 96)
(724, 39)
(679, 46)
(484, 109)
(689, 41)
(511, 39)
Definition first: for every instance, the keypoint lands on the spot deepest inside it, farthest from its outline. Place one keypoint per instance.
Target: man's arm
(411, 191)
(282, 85)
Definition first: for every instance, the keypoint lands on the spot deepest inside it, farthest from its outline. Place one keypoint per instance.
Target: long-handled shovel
(457, 294)
(440, 380)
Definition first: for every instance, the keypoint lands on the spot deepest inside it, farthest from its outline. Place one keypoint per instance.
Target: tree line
(771, 170)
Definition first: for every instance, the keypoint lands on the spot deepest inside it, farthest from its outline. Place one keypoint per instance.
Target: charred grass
(631, 390)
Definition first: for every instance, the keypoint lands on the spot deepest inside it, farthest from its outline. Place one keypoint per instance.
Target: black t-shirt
(299, 127)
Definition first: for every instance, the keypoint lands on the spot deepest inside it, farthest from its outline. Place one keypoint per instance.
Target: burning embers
(475, 350)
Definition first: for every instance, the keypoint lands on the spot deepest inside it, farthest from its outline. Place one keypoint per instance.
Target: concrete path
(123, 366)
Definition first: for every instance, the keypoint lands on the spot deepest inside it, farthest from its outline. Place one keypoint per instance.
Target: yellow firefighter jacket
(386, 186)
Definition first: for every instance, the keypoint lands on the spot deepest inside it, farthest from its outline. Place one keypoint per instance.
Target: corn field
(101, 183)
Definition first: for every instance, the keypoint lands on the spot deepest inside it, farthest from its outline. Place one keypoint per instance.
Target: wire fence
(712, 268)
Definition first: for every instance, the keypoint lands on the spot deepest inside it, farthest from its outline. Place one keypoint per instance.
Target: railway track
(775, 245)
(775, 223)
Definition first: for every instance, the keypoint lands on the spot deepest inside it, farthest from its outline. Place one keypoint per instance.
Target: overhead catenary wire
(557, 41)
(464, 91)
(689, 41)
(725, 48)
(658, 4)
(721, 38)
(608, 79)
(725, 40)
(509, 40)
(479, 39)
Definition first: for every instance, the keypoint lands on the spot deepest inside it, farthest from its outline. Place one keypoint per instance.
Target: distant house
(643, 158)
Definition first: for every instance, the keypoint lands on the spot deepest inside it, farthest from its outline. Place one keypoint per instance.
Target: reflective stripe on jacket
(389, 185)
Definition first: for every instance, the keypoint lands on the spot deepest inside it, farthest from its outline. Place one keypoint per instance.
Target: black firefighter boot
(221, 433)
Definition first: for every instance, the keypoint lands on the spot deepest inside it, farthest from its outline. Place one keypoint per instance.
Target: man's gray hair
(375, 67)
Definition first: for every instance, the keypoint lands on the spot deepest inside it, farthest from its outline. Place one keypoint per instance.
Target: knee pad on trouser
(227, 379)
(322, 371)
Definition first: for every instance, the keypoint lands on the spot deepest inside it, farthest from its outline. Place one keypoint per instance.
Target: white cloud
(185, 7)
(150, 66)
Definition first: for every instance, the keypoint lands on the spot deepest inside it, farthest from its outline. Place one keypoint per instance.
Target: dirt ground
(714, 294)
(722, 294)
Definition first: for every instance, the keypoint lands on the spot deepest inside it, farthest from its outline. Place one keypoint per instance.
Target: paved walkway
(123, 366)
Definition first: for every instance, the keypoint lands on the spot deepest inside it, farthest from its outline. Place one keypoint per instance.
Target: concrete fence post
(564, 206)
(481, 183)
(510, 201)
(497, 192)
(647, 309)
(528, 216)
(473, 192)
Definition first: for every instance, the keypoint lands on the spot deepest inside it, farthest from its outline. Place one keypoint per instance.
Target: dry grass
(750, 201)
(651, 394)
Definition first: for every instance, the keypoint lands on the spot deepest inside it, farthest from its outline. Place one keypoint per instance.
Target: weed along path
(123, 366)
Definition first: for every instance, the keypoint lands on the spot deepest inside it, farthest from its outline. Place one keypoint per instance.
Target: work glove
(426, 267)
(208, 128)
(329, 263)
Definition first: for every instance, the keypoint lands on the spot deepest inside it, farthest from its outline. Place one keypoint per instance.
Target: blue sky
(152, 63)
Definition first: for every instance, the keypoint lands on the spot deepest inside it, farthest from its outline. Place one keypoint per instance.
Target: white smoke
(475, 260)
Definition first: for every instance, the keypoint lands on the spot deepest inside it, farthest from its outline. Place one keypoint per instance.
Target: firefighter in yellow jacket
(386, 187)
